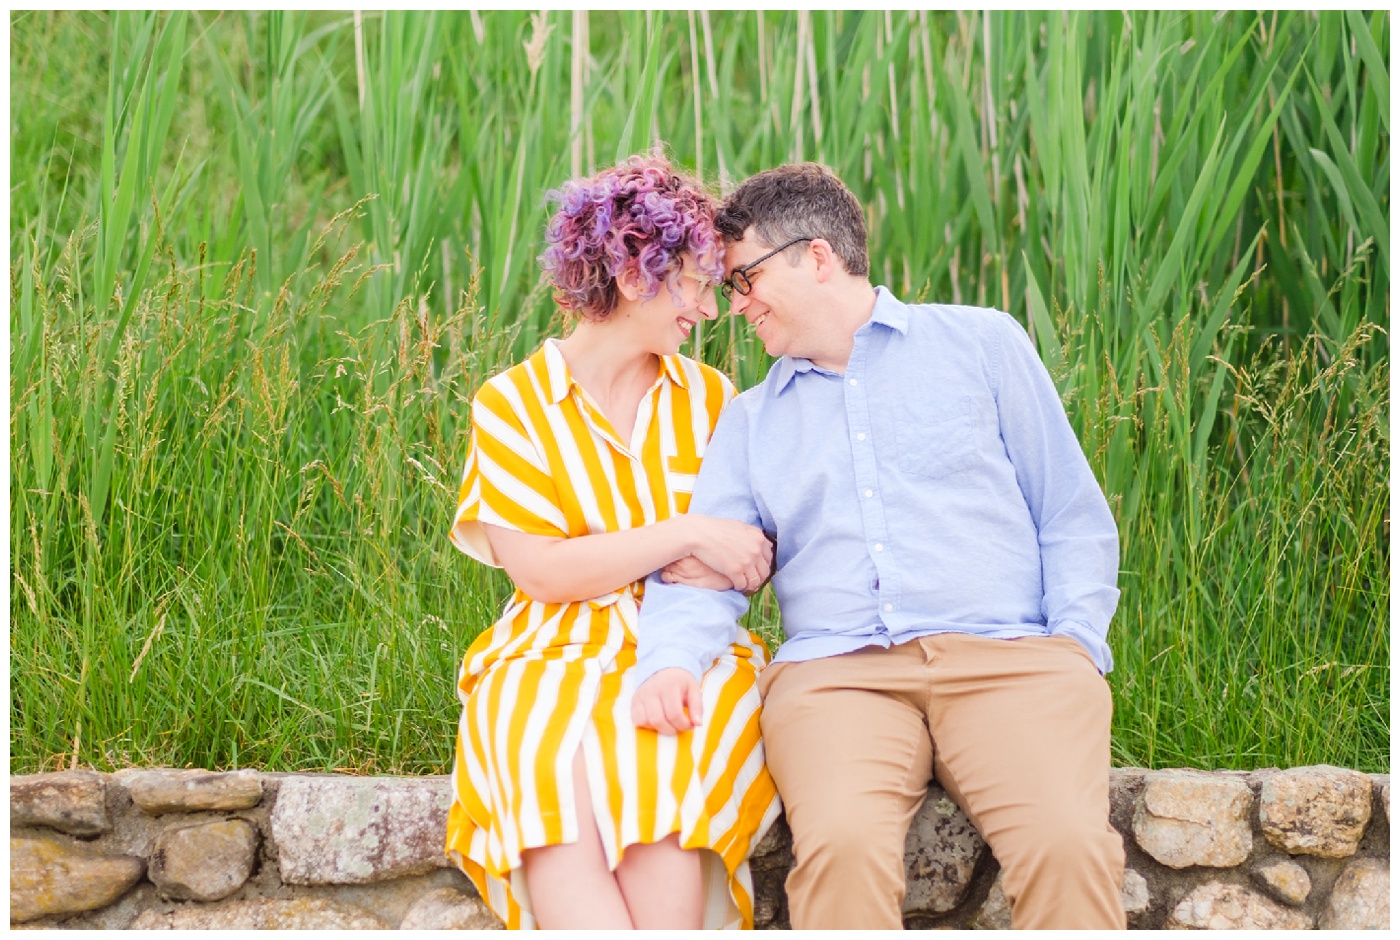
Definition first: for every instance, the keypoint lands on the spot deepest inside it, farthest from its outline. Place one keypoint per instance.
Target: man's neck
(851, 307)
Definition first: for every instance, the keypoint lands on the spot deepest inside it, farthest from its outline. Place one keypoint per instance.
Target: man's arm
(1078, 536)
(686, 628)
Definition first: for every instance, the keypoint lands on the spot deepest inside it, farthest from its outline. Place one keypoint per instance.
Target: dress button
(860, 436)
(879, 547)
(854, 382)
(889, 607)
(869, 493)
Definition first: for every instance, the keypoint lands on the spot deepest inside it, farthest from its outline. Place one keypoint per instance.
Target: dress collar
(558, 378)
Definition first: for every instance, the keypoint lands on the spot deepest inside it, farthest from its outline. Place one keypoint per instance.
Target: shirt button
(879, 547)
(854, 382)
(889, 607)
(860, 436)
(869, 493)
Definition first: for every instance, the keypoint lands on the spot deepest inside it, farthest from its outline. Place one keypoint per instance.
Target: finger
(667, 577)
(656, 720)
(642, 711)
(675, 714)
(694, 703)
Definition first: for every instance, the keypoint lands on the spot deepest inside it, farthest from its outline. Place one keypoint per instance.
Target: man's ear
(828, 264)
(629, 282)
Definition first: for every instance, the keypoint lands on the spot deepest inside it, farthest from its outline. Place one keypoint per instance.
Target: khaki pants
(1017, 732)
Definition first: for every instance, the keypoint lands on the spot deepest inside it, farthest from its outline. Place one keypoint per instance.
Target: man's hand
(668, 702)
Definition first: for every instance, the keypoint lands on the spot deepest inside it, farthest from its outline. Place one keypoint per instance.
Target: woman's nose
(709, 306)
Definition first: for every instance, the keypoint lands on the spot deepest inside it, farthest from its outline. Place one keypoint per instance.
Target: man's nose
(738, 303)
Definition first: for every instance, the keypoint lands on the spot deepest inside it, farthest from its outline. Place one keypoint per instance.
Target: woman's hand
(735, 550)
(693, 572)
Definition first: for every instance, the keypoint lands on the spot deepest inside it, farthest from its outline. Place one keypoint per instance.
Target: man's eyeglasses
(740, 282)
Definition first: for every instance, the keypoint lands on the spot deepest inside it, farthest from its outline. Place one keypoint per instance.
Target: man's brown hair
(799, 200)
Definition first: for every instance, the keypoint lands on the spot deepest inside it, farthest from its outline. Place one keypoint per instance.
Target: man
(946, 568)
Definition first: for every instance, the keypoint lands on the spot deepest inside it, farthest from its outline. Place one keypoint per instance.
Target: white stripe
(508, 390)
(608, 458)
(542, 713)
(574, 467)
(508, 436)
(501, 749)
(517, 492)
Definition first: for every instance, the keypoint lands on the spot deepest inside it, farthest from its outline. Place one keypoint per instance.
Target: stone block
(338, 830)
(204, 861)
(1218, 906)
(774, 850)
(940, 853)
(264, 914)
(1137, 899)
(1285, 881)
(1188, 817)
(995, 912)
(765, 909)
(1318, 810)
(71, 801)
(52, 876)
(189, 791)
(449, 909)
(1360, 898)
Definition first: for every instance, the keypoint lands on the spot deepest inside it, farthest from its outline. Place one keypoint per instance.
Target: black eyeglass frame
(739, 280)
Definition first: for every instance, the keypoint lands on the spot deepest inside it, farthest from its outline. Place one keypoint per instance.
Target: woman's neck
(606, 361)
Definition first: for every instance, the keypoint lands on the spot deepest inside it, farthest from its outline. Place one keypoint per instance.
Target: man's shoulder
(957, 316)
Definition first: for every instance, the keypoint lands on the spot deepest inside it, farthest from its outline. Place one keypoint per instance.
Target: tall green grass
(260, 263)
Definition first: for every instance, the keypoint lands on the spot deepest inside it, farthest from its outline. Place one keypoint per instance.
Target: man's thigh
(846, 741)
(1020, 726)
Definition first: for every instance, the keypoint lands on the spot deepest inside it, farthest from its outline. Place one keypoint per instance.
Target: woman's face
(668, 318)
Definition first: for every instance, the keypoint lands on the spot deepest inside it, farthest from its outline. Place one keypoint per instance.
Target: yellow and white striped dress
(548, 679)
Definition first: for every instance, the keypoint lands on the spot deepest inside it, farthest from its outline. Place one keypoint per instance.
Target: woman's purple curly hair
(640, 213)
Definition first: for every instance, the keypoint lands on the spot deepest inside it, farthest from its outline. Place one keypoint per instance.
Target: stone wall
(188, 849)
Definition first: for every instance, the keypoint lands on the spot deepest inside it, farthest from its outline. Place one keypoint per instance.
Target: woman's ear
(629, 282)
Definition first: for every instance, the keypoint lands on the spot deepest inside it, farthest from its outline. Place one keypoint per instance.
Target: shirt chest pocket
(680, 479)
(936, 441)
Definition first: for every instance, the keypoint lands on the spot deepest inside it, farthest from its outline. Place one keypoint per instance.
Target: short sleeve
(506, 481)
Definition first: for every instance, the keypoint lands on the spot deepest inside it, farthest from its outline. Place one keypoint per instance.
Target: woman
(579, 473)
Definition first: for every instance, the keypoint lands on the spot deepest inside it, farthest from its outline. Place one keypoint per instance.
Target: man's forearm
(684, 627)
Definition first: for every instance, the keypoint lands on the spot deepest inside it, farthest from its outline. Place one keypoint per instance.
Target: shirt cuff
(1089, 638)
(659, 659)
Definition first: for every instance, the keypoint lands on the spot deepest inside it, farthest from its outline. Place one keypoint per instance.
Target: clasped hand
(726, 554)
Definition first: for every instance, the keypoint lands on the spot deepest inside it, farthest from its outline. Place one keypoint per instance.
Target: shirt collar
(556, 372)
(558, 379)
(671, 365)
(888, 312)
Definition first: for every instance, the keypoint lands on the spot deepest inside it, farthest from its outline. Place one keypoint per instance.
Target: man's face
(774, 305)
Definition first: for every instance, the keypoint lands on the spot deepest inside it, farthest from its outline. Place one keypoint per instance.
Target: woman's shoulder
(530, 379)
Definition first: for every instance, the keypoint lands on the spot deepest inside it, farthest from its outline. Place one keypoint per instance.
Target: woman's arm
(558, 570)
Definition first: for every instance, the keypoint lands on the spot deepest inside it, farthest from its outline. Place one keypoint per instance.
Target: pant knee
(1064, 853)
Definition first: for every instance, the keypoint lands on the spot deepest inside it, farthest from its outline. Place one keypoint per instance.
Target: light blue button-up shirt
(934, 486)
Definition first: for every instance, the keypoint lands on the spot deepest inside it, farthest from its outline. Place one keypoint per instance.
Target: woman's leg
(571, 885)
(660, 882)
